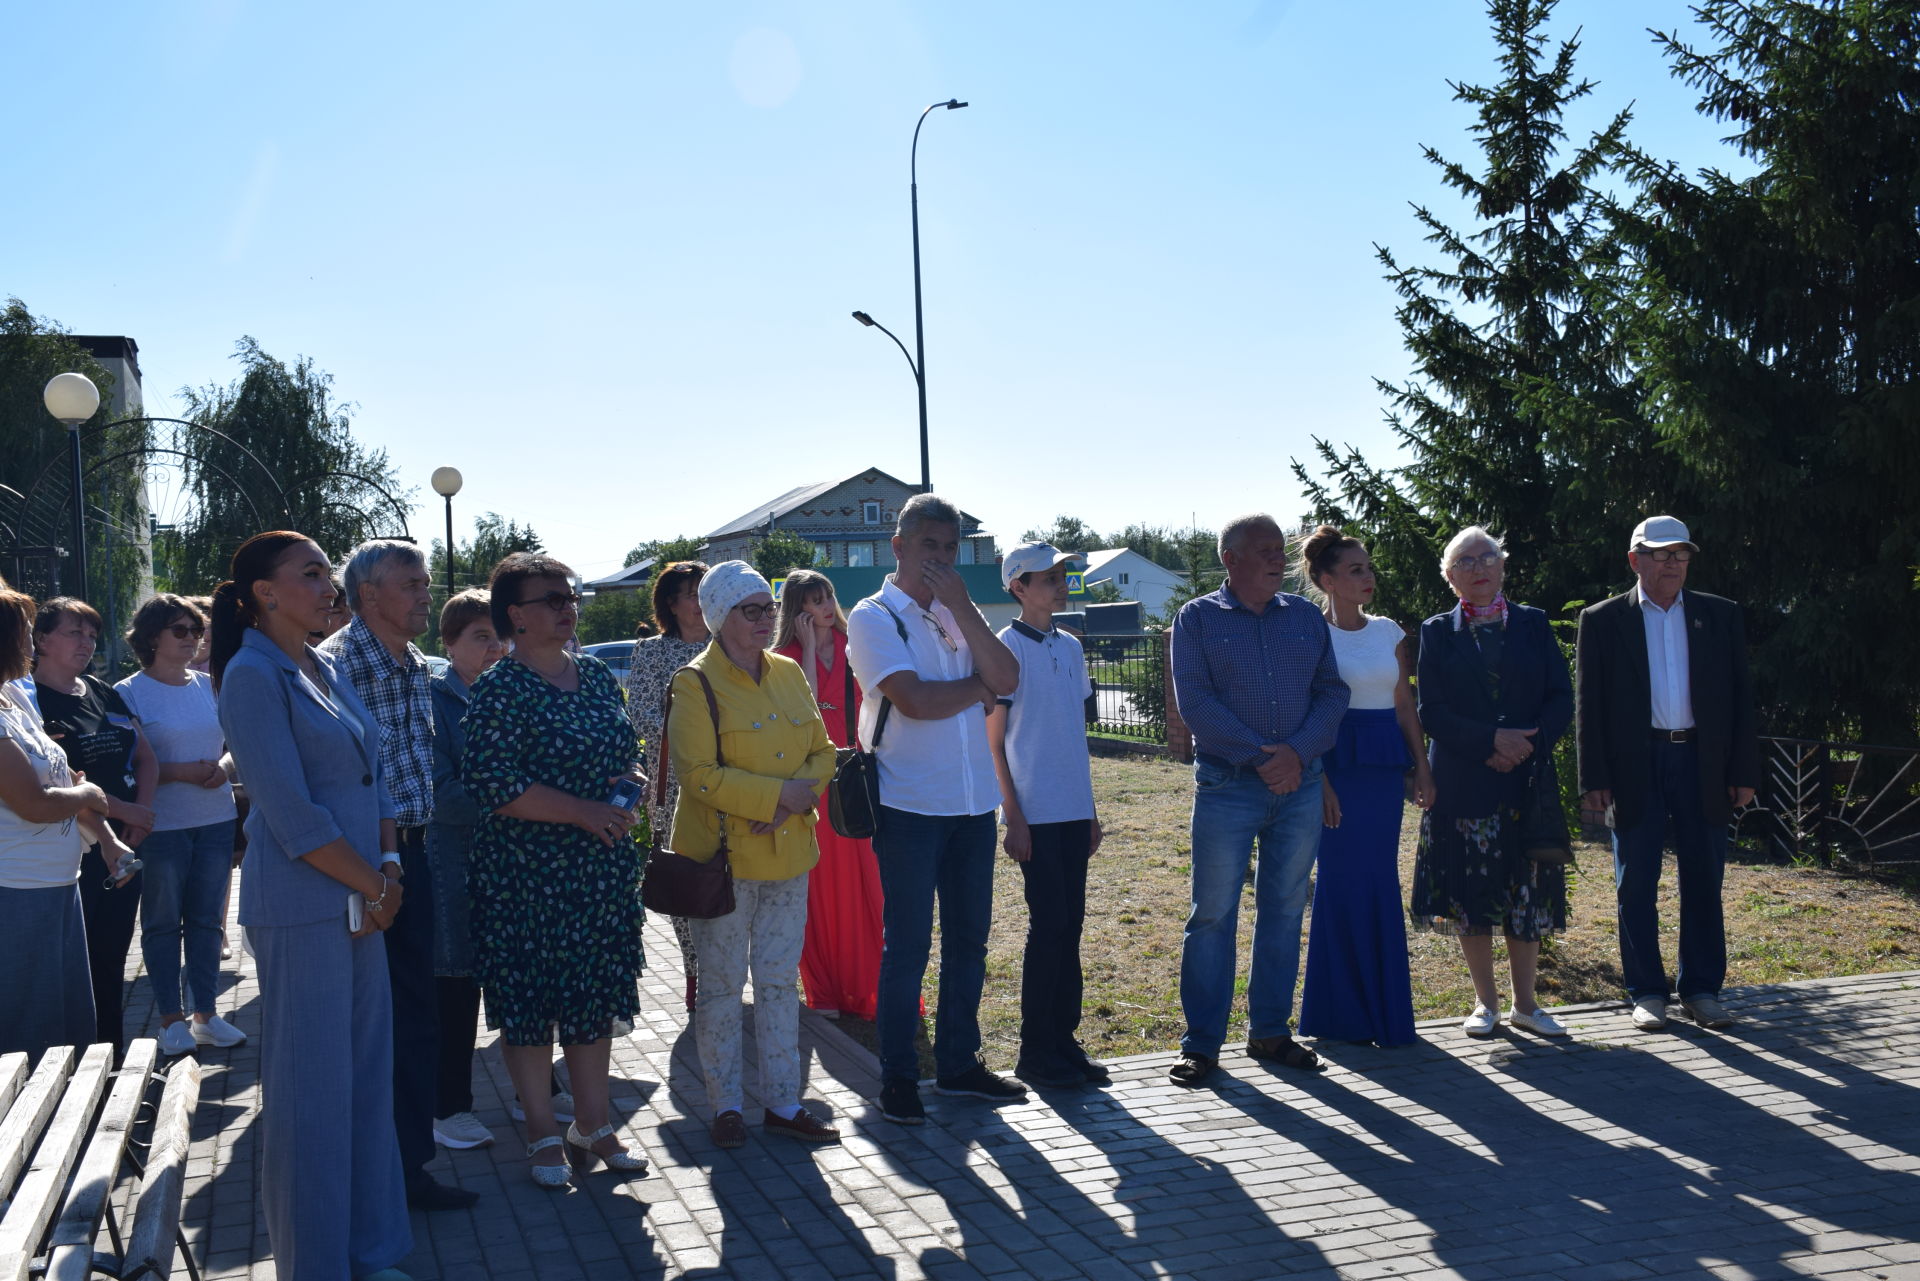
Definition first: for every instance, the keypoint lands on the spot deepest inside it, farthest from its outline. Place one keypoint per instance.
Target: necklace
(553, 677)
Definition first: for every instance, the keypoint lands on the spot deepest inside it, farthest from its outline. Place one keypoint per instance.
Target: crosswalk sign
(1076, 584)
(779, 585)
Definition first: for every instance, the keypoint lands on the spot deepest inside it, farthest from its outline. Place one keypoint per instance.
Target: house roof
(634, 575)
(1098, 560)
(793, 499)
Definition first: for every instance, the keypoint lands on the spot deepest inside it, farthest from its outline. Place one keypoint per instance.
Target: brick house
(850, 523)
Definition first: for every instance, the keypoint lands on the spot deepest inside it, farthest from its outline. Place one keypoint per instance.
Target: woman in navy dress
(1358, 987)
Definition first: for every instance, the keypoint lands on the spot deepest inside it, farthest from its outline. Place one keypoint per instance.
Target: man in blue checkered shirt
(1255, 679)
(389, 590)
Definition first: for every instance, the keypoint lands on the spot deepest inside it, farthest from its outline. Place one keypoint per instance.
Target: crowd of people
(421, 848)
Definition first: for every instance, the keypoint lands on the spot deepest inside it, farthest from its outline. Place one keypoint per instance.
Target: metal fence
(1129, 698)
(1837, 803)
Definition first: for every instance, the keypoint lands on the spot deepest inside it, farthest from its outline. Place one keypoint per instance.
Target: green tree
(1069, 534)
(1184, 550)
(338, 491)
(1519, 415)
(494, 537)
(666, 551)
(614, 615)
(1779, 334)
(780, 551)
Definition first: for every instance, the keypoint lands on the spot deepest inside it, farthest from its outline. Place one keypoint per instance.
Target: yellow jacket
(772, 732)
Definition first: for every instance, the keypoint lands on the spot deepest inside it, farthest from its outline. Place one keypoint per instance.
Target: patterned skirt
(1469, 879)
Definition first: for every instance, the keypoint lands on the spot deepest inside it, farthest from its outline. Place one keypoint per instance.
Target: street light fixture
(919, 329)
(73, 399)
(446, 483)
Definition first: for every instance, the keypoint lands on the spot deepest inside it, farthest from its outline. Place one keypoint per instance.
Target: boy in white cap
(1039, 740)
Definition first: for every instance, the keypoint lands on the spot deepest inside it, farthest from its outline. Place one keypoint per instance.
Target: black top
(96, 731)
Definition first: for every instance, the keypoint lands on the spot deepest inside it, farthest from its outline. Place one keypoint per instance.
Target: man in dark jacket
(1667, 746)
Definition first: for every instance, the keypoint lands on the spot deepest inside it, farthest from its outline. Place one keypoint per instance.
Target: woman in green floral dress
(554, 874)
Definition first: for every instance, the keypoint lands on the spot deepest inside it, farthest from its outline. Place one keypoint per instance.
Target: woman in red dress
(840, 962)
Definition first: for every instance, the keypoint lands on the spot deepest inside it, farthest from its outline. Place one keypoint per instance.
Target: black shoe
(1049, 1078)
(1093, 1073)
(428, 1193)
(978, 1083)
(900, 1103)
(1192, 1069)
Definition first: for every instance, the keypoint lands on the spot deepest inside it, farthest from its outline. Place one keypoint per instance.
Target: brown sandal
(1191, 1070)
(1285, 1051)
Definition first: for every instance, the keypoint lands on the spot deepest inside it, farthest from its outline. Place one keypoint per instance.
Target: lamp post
(919, 327)
(72, 399)
(446, 483)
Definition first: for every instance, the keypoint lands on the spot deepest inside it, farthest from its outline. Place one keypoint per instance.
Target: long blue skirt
(1358, 986)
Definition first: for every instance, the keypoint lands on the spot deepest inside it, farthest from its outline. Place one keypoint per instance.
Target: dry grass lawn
(1783, 923)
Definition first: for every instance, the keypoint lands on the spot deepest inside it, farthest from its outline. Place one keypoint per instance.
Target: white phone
(356, 911)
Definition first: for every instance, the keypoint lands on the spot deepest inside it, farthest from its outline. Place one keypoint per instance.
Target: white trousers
(763, 933)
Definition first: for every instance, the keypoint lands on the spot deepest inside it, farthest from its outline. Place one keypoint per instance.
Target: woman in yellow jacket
(778, 761)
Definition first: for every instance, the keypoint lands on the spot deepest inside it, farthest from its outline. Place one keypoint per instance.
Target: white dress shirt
(1667, 678)
(938, 767)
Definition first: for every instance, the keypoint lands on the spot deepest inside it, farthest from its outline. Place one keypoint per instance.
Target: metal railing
(1129, 699)
(1837, 803)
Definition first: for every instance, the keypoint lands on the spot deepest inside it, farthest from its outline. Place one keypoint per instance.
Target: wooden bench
(61, 1150)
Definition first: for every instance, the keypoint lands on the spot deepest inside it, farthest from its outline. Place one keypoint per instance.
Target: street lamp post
(919, 326)
(446, 483)
(72, 399)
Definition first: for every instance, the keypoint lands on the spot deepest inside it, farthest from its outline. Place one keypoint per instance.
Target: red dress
(840, 961)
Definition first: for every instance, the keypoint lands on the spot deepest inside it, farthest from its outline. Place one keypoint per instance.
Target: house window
(859, 554)
(870, 513)
(1123, 580)
(822, 554)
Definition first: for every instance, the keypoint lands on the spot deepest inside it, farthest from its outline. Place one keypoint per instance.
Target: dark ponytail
(234, 608)
(1320, 551)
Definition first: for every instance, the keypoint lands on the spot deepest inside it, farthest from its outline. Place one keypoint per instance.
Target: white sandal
(581, 1153)
(548, 1176)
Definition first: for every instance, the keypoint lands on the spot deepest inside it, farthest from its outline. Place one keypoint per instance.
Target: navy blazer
(1460, 714)
(312, 774)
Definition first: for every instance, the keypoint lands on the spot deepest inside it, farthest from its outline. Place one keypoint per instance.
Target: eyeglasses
(185, 631)
(555, 601)
(1490, 560)
(1661, 555)
(935, 624)
(754, 613)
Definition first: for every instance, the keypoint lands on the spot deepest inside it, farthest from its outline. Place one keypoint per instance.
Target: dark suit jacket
(1460, 714)
(1615, 698)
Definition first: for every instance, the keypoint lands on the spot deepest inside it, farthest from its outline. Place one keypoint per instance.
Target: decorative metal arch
(370, 529)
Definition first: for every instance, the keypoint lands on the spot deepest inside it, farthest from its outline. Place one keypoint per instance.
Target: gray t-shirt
(1046, 741)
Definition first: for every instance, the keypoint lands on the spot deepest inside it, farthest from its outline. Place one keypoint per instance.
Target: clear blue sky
(600, 256)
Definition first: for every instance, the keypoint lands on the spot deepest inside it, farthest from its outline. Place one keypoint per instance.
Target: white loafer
(1650, 1013)
(1537, 1021)
(1481, 1022)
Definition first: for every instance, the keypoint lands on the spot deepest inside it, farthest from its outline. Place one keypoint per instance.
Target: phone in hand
(356, 911)
(626, 794)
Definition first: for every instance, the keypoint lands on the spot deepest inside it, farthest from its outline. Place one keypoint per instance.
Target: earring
(521, 630)
(272, 605)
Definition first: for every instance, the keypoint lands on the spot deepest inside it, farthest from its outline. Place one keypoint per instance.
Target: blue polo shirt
(1244, 680)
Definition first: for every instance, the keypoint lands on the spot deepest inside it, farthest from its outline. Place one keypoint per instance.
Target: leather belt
(1673, 736)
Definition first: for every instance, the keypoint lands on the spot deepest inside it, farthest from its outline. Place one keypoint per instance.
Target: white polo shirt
(940, 767)
(1046, 741)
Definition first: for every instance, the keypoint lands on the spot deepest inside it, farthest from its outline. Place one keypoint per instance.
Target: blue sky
(600, 256)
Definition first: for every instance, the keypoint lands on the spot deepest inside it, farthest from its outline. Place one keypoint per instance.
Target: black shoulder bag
(853, 797)
(675, 884)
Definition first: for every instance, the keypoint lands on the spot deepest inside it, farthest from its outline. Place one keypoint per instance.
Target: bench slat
(39, 1192)
(13, 1074)
(156, 1211)
(29, 1114)
(72, 1241)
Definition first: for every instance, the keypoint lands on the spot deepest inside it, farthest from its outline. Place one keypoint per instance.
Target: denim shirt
(1245, 680)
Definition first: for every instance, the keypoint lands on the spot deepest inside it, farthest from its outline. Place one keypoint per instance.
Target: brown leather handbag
(675, 884)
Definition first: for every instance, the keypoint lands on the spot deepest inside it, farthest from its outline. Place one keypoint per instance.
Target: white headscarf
(726, 585)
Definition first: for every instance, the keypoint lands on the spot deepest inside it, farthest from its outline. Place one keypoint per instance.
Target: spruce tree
(1519, 415)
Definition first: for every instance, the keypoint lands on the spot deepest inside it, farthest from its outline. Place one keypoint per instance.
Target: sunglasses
(754, 613)
(555, 601)
(185, 631)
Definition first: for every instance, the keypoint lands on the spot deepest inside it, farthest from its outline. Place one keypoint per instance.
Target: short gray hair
(372, 559)
(1235, 531)
(923, 509)
(1466, 538)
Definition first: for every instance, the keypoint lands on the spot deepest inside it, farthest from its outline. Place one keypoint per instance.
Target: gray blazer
(312, 776)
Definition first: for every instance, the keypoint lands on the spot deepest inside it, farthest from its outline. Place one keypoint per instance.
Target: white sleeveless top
(1369, 663)
(37, 856)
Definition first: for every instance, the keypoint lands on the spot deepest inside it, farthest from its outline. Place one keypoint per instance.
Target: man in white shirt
(929, 668)
(1667, 747)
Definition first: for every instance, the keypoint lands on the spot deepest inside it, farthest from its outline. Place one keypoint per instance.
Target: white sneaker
(461, 1130)
(176, 1038)
(1650, 1013)
(562, 1109)
(1538, 1021)
(1481, 1022)
(217, 1031)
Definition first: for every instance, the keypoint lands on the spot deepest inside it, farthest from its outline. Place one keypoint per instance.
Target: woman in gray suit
(317, 890)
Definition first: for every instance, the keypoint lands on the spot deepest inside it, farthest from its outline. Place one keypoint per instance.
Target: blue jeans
(181, 895)
(1700, 851)
(1232, 811)
(921, 856)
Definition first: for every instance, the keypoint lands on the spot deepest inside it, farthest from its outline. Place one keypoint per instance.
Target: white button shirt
(940, 767)
(1667, 653)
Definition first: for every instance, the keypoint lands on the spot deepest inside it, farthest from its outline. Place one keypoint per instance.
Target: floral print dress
(556, 914)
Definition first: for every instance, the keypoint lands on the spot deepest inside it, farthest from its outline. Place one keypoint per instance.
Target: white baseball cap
(1033, 558)
(1662, 531)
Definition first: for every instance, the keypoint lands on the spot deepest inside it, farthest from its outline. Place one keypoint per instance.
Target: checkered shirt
(400, 697)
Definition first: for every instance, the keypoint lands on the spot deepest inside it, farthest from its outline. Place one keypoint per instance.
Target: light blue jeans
(181, 895)
(1232, 813)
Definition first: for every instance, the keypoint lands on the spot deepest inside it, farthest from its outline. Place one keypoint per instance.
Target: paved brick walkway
(1785, 1148)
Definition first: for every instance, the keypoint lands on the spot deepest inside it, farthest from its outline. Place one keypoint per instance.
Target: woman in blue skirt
(1358, 987)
